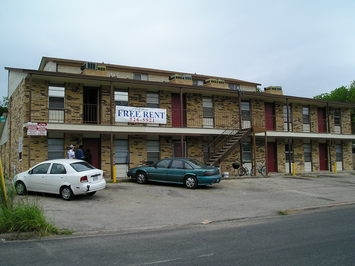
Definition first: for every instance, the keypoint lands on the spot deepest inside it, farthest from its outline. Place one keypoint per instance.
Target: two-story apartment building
(127, 116)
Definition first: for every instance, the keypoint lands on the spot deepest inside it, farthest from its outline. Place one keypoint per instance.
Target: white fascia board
(306, 135)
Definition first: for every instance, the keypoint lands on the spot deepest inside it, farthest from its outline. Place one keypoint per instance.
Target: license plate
(95, 178)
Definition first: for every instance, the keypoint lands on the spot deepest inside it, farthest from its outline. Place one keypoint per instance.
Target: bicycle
(242, 170)
(260, 168)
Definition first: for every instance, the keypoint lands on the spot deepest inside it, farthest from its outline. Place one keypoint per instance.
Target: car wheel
(191, 182)
(20, 188)
(141, 177)
(66, 193)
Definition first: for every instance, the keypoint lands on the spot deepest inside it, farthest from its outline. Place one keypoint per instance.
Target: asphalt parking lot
(126, 206)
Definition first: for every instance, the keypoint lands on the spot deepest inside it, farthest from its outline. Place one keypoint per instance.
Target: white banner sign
(140, 115)
(36, 129)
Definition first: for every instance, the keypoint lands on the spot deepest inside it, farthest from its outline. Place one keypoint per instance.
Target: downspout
(29, 120)
(240, 125)
(113, 172)
(182, 124)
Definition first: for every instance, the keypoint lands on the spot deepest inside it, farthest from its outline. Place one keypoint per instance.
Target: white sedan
(66, 177)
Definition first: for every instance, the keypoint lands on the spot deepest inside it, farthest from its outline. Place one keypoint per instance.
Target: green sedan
(188, 172)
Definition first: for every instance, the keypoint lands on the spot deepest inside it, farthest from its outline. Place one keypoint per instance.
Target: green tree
(3, 105)
(342, 94)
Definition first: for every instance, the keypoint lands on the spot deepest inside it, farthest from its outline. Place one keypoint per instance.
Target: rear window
(82, 166)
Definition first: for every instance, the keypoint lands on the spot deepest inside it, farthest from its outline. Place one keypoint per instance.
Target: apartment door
(322, 125)
(271, 157)
(269, 116)
(178, 112)
(179, 149)
(93, 145)
(323, 157)
(91, 104)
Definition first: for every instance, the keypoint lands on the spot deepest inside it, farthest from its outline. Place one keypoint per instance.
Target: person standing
(79, 153)
(70, 152)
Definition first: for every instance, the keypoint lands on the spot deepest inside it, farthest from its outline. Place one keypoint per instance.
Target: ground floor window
(289, 153)
(153, 151)
(121, 153)
(307, 152)
(55, 148)
(246, 152)
(338, 152)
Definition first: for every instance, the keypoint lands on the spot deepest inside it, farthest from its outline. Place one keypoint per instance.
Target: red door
(94, 146)
(271, 157)
(269, 116)
(322, 126)
(323, 157)
(178, 112)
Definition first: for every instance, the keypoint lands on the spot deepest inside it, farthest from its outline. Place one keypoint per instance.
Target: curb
(297, 210)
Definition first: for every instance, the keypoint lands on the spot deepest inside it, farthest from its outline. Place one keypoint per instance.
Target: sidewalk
(128, 206)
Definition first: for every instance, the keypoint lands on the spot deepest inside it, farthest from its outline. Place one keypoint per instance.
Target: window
(153, 150)
(121, 97)
(56, 97)
(140, 76)
(58, 169)
(197, 82)
(338, 153)
(246, 114)
(164, 163)
(56, 104)
(177, 164)
(307, 152)
(288, 153)
(287, 114)
(305, 115)
(55, 148)
(153, 99)
(337, 117)
(207, 107)
(246, 152)
(121, 151)
(41, 169)
(234, 87)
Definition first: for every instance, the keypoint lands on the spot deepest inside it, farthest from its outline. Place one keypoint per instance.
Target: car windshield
(81, 166)
(196, 164)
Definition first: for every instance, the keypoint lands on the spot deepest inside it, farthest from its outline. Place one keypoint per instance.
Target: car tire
(190, 182)
(20, 188)
(66, 193)
(141, 177)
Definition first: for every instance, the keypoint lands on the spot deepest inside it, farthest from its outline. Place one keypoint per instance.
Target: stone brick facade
(29, 102)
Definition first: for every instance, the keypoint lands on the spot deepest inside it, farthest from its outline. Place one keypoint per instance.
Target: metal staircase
(225, 143)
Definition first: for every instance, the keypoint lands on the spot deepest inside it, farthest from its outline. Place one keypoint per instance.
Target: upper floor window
(121, 98)
(153, 99)
(207, 107)
(305, 115)
(287, 113)
(56, 97)
(235, 87)
(337, 117)
(56, 104)
(197, 82)
(140, 76)
(246, 114)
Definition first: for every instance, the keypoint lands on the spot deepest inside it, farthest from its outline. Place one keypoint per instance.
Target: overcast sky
(305, 46)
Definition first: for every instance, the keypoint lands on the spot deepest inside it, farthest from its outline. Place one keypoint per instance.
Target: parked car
(189, 172)
(66, 177)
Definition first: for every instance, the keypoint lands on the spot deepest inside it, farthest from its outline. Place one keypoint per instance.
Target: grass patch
(19, 215)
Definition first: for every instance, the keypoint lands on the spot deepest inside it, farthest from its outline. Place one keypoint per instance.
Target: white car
(66, 177)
